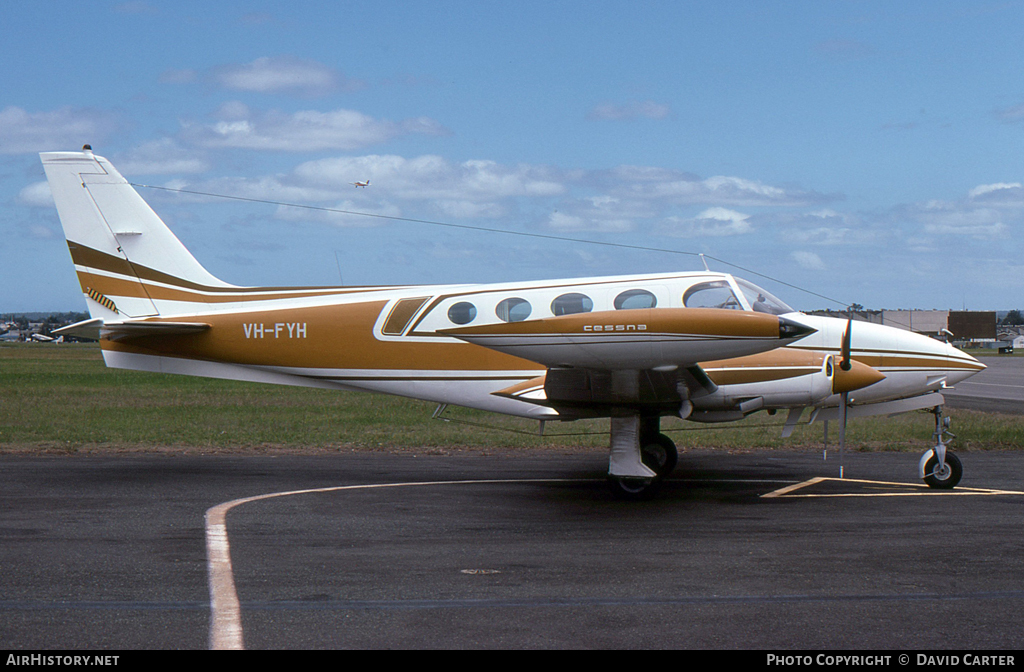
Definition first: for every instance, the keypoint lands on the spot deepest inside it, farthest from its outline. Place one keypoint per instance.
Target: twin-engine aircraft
(705, 346)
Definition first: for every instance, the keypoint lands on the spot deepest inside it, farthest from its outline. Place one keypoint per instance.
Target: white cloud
(432, 178)
(826, 227)
(715, 221)
(999, 190)
(63, 129)
(941, 218)
(40, 231)
(283, 74)
(808, 260)
(647, 109)
(330, 214)
(983, 231)
(590, 221)
(463, 209)
(817, 236)
(36, 195)
(564, 222)
(307, 130)
(723, 190)
(161, 157)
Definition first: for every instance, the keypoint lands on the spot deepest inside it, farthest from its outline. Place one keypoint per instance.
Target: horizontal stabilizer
(97, 328)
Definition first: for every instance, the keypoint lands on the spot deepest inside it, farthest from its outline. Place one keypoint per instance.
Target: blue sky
(870, 152)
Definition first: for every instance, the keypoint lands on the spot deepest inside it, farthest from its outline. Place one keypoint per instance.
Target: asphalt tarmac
(997, 389)
(529, 550)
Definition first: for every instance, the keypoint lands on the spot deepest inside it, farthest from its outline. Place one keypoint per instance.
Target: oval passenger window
(462, 312)
(513, 310)
(569, 304)
(635, 298)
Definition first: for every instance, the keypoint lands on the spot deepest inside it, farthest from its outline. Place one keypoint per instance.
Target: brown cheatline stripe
(83, 255)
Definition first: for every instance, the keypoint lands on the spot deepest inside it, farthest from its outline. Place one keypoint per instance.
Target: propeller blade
(845, 363)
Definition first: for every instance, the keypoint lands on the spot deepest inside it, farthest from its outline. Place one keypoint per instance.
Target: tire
(633, 489)
(946, 480)
(660, 455)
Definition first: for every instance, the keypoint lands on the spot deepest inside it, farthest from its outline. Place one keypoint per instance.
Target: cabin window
(462, 312)
(569, 304)
(716, 294)
(635, 298)
(513, 310)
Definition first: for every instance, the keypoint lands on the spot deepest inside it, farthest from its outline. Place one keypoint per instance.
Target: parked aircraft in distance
(703, 346)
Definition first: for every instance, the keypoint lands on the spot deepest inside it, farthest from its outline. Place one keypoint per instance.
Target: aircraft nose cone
(793, 330)
(971, 360)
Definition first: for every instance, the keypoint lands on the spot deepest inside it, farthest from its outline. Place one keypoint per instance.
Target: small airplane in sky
(360, 184)
(703, 346)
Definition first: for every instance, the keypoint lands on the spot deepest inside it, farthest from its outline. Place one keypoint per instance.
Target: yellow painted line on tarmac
(919, 490)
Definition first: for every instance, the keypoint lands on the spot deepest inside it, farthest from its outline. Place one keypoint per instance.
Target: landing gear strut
(640, 456)
(940, 468)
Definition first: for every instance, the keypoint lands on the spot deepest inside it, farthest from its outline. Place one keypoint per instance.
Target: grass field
(61, 398)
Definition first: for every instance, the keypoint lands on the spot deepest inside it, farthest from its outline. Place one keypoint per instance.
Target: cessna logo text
(615, 327)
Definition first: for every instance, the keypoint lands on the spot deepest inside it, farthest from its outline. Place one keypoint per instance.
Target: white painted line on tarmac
(225, 610)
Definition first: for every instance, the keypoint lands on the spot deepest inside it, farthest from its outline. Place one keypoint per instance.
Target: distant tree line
(1013, 319)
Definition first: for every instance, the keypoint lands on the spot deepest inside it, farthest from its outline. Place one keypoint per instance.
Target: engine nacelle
(785, 378)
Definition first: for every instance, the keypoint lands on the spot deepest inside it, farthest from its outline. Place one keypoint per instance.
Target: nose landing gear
(940, 468)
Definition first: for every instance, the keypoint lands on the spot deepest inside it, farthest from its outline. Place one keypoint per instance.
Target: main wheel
(660, 455)
(945, 478)
(628, 487)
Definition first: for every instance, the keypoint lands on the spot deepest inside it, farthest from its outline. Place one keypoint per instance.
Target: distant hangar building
(974, 325)
(964, 325)
(958, 325)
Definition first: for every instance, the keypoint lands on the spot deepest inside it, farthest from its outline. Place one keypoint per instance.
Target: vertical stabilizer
(129, 263)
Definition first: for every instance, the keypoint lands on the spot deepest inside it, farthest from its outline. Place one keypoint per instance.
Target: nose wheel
(943, 476)
(940, 468)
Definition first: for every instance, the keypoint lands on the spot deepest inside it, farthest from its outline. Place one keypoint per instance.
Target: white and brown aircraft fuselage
(702, 345)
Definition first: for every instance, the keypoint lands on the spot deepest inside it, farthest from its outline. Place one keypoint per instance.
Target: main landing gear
(640, 456)
(940, 468)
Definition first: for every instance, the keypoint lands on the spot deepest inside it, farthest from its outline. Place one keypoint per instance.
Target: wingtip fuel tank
(638, 338)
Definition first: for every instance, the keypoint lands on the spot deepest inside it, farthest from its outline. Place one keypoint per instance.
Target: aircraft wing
(98, 328)
(639, 357)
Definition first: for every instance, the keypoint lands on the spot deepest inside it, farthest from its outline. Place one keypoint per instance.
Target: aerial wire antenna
(470, 227)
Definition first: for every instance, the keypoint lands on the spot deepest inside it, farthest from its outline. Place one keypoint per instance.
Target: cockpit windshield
(762, 301)
(714, 294)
